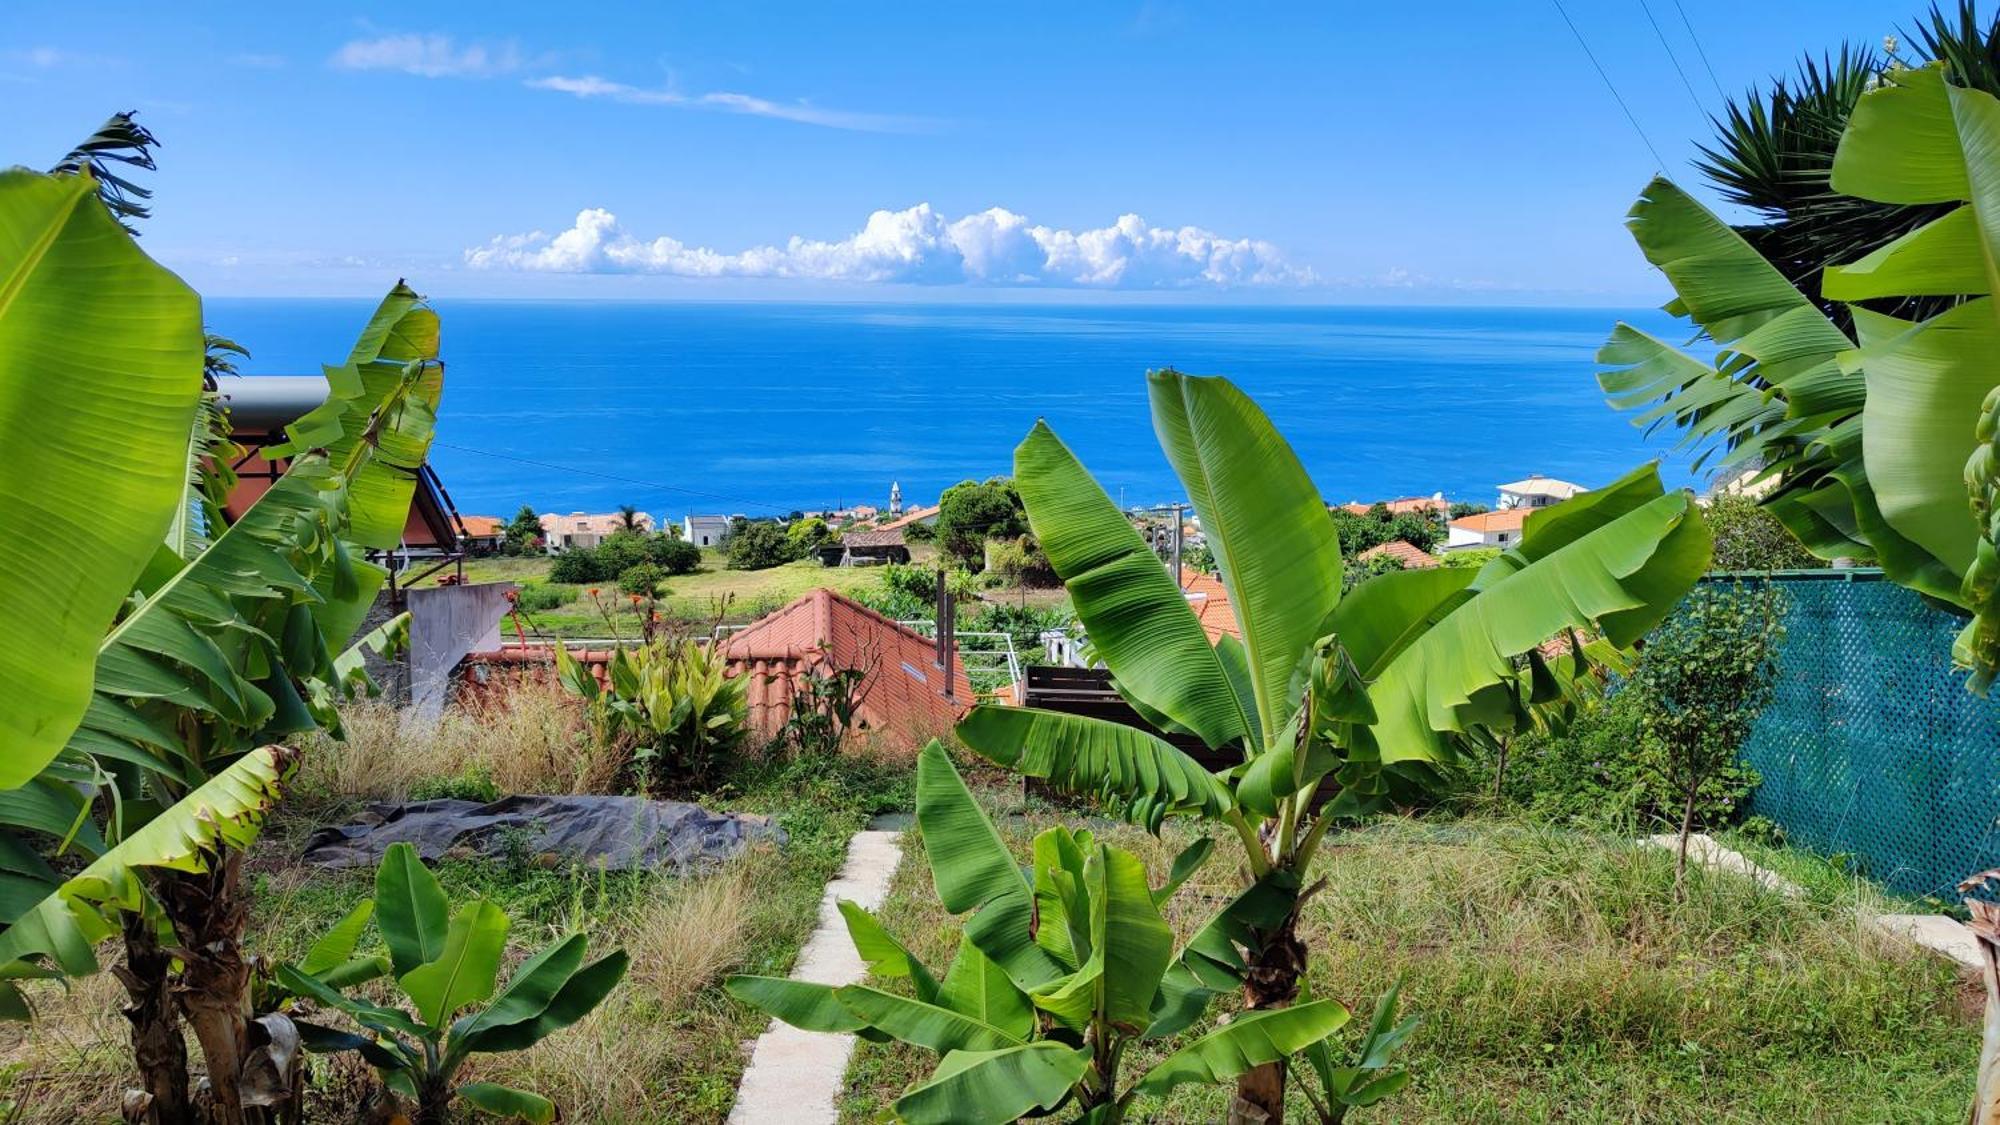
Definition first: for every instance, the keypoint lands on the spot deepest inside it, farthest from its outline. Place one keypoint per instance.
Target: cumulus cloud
(429, 56)
(591, 86)
(919, 246)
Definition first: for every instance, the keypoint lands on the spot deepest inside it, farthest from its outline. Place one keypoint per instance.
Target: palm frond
(121, 140)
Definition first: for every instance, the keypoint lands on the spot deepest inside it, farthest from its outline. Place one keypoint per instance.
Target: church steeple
(895, 498)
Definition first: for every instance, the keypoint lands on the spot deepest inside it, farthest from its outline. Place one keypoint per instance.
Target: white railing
(978, 652)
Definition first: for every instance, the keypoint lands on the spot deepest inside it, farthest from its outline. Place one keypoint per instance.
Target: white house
(1537, 491)
(1487, 529)
(705, 531)
(580, 529)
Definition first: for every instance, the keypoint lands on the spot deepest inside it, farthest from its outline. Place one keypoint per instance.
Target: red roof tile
(1410, 555)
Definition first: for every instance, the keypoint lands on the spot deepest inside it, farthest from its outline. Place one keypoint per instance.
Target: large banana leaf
(1244, 1044)
(225, 812)
(385, 396)
(982, 1087)
(1129, 936)
(1612, 562)
(1146, 776)
(1134, 611)
(100, 375)
(1274, 542)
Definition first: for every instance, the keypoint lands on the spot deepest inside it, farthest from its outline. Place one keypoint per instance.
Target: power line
(1700, 50)
(1589, 54)
(1671, 57)
(614, 477)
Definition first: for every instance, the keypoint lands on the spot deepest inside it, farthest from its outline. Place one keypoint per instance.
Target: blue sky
(1420, 153)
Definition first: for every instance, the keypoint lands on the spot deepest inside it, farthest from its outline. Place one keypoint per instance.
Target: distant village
(865, 534)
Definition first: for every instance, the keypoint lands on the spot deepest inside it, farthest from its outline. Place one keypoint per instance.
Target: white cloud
(920, 246)
(429, 56)
(591, 86)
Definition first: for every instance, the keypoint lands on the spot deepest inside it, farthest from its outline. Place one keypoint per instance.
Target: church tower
(895, 498)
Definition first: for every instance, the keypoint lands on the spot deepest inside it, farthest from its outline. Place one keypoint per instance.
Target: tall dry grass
(528, 739)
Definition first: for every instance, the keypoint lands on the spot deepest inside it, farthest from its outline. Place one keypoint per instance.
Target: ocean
(764, 408)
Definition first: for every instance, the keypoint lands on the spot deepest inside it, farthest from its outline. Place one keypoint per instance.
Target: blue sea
(766, 408)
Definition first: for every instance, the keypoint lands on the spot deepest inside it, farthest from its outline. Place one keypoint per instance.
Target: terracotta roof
(879, 537)
(1399, 507)
(1209, 599)
(912, 516)
(1409, 554)
(1506, 519)
(483, 527)
(903, 695)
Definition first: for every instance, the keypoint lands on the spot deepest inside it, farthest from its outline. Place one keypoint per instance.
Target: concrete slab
(1935, 932)
(794, 1076)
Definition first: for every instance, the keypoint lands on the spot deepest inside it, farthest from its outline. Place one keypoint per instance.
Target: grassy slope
(1559, 980)
(697, 597)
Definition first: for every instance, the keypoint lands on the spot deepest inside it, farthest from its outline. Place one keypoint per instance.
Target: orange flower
(593, 591)
(636, 599)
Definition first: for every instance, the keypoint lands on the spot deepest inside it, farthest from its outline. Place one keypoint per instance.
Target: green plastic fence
(1871, 746)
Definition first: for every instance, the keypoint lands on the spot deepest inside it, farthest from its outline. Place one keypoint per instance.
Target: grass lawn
(697, 598)
(1559, 980)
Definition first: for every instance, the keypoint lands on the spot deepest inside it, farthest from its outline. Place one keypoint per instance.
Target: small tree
(809, 534)
(1702, 679)
(628, 518)
(759, 546)
(971, 512)
(577, 566)
(673, 554)
(523, 533)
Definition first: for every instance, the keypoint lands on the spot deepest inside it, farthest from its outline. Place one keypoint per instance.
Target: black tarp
(621, 833)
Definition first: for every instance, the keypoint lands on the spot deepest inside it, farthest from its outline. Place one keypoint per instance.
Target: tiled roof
(1209, 599)
(879, 537)
(903, 696)
(1398, 507)
(1506, 519)
(1410, 555)
(914, 515)
(483, 527)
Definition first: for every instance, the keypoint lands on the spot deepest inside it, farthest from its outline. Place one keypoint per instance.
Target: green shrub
(578, 566)
(620, 551)
(1749, 537)
(673, 554)
(1024, 623)
(971, 511)
(641, 578)
(759, 546)
(1019, 562)
(537, 597)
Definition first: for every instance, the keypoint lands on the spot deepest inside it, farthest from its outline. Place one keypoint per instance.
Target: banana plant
(1876, 446)
(1085, 925)
(1372, 691)
(445, 968)
(1337, 1090)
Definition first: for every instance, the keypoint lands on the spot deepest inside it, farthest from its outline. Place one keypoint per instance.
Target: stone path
(1935, 932)
(795, 1077)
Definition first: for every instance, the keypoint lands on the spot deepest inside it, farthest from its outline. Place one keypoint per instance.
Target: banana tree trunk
(210, 914)
(158, 1046)
(1272, 981)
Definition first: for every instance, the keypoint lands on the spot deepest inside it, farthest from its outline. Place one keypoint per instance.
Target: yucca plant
(1087, 920)
(448, 971)
(1370, 691)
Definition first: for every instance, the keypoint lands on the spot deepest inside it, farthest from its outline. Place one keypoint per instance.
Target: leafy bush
(1024, 623)
(1749, 537)
(759, 546)
(1019, 562)
(674, 703)
(808, 535)
(1358, 533)
(641, 578)
(577, 566)
(620, 551)
(919, 532)
(538, 597)
(523, 533)
(673, 554)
